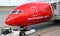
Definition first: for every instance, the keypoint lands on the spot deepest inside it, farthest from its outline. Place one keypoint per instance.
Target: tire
(22, 33)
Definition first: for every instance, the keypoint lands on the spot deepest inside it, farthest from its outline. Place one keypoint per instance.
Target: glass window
(19, 11)
(54, 5)
(14, 11)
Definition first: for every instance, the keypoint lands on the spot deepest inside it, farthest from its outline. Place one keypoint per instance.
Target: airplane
(31, 14)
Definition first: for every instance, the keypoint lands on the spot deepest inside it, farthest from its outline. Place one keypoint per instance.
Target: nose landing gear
(26, 32)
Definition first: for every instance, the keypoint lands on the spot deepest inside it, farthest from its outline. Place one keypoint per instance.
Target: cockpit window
(14, 11)
(17, 11)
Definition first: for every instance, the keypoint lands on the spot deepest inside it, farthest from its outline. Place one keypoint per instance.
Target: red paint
(32, 13)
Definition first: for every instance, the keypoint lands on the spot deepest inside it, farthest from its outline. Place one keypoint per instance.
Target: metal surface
(29, 14)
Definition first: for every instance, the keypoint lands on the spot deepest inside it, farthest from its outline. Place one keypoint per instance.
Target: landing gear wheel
(22, 33)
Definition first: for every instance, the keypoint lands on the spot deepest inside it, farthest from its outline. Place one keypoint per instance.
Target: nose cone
(11, 19)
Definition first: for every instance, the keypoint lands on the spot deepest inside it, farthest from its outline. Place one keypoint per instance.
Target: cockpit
(16, 12)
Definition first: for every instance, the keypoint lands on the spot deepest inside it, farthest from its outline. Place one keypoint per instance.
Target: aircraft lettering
(40, 17)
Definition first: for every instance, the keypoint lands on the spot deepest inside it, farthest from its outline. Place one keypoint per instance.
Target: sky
(17, 2)
(10, 2)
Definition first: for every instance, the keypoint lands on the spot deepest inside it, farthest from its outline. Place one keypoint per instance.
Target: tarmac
(42, 29)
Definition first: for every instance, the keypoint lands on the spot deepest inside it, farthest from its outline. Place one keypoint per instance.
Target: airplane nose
(8, 21)
(11, 19)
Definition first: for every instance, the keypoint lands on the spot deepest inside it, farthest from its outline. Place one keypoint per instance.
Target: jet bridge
(56, 10)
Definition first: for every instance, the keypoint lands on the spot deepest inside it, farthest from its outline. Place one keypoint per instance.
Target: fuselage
(30, 14)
